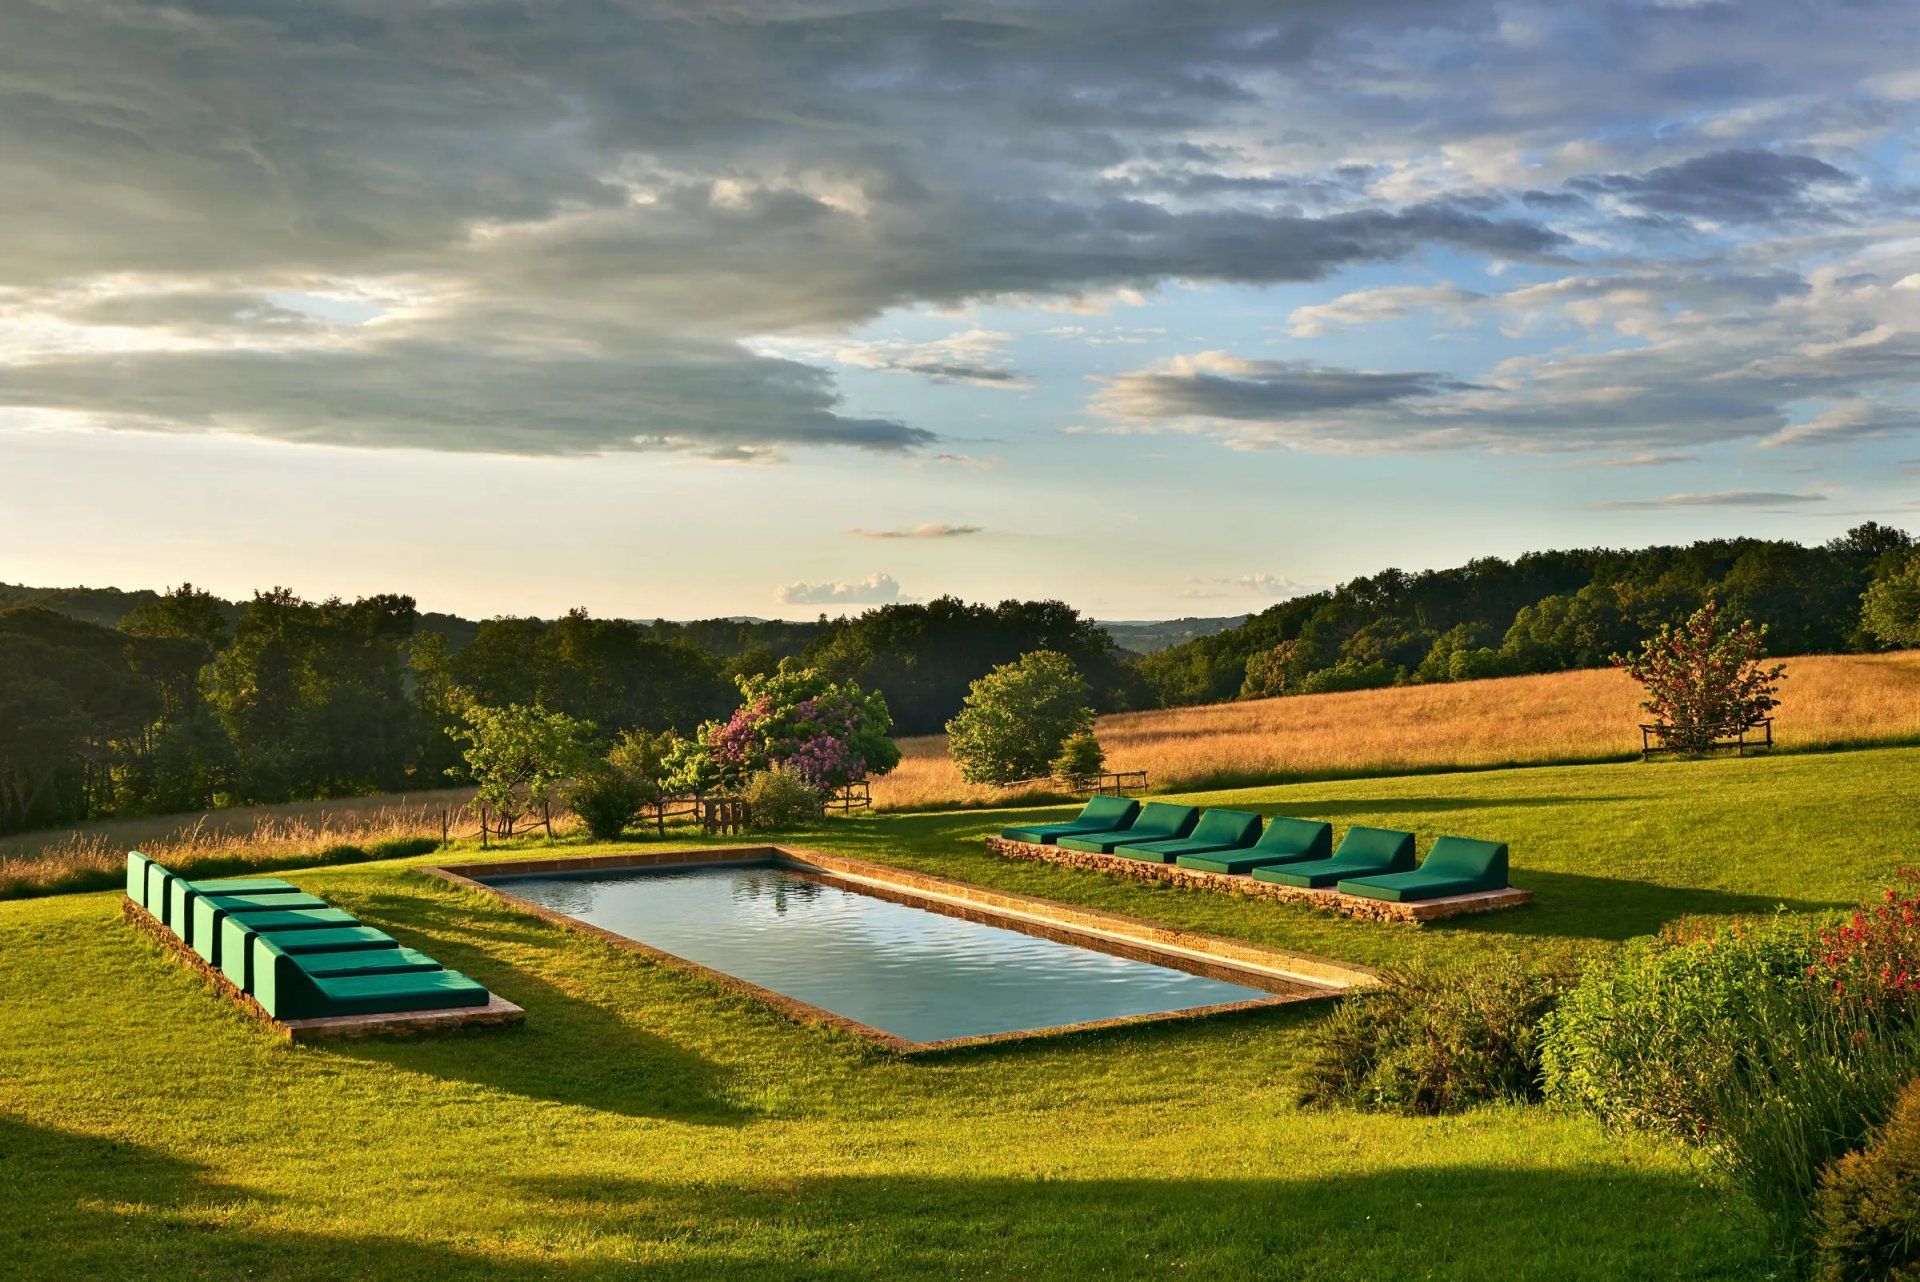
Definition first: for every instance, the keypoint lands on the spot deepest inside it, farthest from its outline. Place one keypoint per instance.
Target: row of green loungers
(1373, 863)
(290, 952)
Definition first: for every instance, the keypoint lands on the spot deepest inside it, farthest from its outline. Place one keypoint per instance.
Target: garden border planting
(1289, 977)
(1416, 912)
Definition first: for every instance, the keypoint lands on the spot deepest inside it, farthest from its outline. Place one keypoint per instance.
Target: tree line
(187, 701)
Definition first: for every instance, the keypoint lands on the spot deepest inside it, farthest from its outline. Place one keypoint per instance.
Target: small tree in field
(1016, 718)
(1081, 755)
(1890, 610)
(520, 757)
(1703, 678)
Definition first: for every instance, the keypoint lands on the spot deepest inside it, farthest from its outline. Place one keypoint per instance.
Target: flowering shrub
(826, 733)
(1700, 679)
(1872, 962)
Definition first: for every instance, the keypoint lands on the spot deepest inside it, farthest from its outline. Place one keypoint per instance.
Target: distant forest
(120, 703)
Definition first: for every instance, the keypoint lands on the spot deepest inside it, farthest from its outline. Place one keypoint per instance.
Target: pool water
(909, 971)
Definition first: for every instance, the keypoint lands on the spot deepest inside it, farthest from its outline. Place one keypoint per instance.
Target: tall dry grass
(235, 840)
(1826, 700)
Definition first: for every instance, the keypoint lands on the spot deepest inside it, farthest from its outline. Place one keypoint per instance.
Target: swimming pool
(903, 962)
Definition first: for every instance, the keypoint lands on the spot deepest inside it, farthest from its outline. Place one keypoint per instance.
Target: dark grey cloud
(1743, 186)
(1220, 386)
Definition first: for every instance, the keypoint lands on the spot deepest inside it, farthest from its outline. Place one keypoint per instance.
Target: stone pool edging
(1360, 907)
(1289, 977)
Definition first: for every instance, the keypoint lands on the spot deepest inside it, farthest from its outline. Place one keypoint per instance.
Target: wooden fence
(1757, 735)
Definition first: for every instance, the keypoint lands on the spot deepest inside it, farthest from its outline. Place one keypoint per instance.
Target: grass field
(1566, 716)
(644, 1122)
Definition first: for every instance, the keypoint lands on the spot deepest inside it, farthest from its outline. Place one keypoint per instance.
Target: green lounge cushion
(183, 894)
(1283, 841)
(1455, 866)
(202, 920)
(1157, 821)
(325, 930)
(1101, 814)
(1217, 830)
(1165, 852)
(285, 991)
(137, 866)
(1364, 852)
(364, 961)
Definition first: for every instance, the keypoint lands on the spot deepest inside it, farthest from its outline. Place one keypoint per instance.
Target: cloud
(1742, 186)
(1648, 458)
(875, 589)
(1854, 420)
(971, 356)
(1223, 387)
(1371, 306)
(1245, 585)
(1725, 498)
(927, 530)
(652, 227)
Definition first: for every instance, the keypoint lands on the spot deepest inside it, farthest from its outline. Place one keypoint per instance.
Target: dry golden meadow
(1590, 715)
(237, 839)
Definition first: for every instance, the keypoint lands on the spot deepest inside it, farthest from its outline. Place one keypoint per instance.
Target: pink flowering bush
(826, 733)
(1702, 679)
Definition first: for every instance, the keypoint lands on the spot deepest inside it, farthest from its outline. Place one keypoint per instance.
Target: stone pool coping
(1416, 912)
(1288, 976)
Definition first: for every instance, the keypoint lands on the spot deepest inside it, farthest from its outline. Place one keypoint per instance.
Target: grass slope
(643, 1122)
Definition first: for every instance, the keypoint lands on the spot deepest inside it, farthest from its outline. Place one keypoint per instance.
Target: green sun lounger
(1217, 830)
(1157, 821)
(183, 894)
(1102, 814)
(199, 929)
(324, 931)
(287, 989)
(1455, 866)
(1285, 841)
(1364, 852)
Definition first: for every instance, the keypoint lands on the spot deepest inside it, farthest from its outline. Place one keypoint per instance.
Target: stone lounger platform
(498, 1009)
(1416, 913)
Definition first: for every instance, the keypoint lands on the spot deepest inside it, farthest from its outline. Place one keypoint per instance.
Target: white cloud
(925, 530)
(875, 589)
(1274, 586)
(1724, 498)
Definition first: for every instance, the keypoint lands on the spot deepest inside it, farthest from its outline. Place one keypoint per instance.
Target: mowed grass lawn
(644, 1123)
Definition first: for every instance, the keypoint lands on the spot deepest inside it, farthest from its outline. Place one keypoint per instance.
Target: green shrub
(1017, 717)
(403, 847)
(1814, 1081)
(1867, 1208)
(1646, 1038)
(607, 799)
(1080, 755)
(1430, 1041)
(342, 852)
(781, 798)
(1348, 674)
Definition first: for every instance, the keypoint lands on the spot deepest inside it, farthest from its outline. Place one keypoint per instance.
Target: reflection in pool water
(911, 972)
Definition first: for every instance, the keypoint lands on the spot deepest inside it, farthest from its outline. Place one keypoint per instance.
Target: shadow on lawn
(569, 1051)
(1579, 906)
(83, 1206)
(80, 1206)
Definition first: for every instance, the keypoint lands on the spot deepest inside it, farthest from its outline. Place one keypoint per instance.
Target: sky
(692, 309)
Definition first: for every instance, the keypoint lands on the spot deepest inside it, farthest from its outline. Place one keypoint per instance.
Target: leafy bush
(1647, 1037)
(781, 798)
(1017, 717)
(1348, 674)
(1080, 755)
(1867, 1209)
(606, 799)
(1430, 1041)
(403, 847)
(1890, 609)
(1814, 1082)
